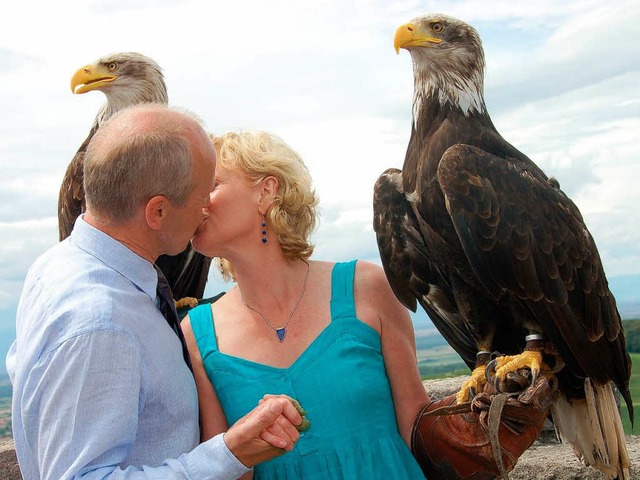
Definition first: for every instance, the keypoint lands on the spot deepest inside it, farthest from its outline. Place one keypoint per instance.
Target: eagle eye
(112, 66)
(437, 27)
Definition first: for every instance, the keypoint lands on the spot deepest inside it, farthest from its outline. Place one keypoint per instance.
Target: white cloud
(22, 242)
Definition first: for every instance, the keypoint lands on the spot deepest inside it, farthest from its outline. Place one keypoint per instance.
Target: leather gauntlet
(458, 441)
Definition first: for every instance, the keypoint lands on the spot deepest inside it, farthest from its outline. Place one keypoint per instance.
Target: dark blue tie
(168, 310)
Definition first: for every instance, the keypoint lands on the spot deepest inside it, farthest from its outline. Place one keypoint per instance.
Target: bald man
(101, 388)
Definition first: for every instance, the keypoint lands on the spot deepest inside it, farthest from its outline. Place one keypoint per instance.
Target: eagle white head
(126, 78)
(448, 61)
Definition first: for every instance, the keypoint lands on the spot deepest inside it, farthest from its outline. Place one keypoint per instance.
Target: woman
(331, 335)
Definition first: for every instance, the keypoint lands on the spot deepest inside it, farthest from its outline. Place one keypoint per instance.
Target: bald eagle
(495, 252)
(126, 79)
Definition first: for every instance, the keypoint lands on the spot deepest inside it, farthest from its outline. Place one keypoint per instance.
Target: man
(101, 388)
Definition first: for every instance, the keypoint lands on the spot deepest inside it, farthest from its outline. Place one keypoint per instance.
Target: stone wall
(9, 469)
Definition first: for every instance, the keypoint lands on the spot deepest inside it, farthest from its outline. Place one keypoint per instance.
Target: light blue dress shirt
(100, 388)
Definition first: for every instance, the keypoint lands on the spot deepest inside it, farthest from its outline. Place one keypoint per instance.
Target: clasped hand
(266, 432)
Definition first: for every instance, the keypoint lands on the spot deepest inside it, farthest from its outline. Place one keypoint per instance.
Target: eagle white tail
(594, 430)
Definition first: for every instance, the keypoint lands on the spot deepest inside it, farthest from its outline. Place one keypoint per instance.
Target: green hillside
(632, 335)
(5, 407)
(436, 359)
(634, 386)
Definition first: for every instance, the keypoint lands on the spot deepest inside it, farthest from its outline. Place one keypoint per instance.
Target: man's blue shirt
(100, 387)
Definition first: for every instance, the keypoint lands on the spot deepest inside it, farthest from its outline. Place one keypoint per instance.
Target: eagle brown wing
(411, 274)
(71, 196)
(524, 237)
(186, 272)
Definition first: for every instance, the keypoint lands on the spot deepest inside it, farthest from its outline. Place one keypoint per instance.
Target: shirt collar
(115, 255)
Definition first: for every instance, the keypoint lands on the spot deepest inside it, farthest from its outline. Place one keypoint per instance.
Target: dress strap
(342, 301)
(203, 329)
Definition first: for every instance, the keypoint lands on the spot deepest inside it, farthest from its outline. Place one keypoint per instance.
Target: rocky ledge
(9, 469)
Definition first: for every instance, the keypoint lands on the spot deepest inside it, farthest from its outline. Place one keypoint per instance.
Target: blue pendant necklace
(281, 332)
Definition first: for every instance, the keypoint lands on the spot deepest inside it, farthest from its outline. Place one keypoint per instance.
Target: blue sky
(562, 84)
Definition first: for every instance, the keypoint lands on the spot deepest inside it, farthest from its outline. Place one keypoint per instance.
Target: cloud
(346, 235)
(32, 198)
(569, 134)
(584, 48)
(11, 61)
(23, 242)
(119, 6)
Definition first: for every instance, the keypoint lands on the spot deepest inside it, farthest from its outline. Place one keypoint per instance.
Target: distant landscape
(634, 385)
(5, 406)
(436, 359)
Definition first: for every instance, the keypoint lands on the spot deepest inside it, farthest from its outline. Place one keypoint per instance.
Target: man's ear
(268, 188)
(156, 211)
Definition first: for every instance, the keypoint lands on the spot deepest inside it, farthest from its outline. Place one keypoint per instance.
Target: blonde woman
(331, 335)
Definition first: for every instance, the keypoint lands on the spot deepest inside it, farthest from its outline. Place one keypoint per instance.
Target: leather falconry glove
(458, 441)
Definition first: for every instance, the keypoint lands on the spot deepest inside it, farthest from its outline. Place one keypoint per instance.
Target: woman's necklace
(282, 331)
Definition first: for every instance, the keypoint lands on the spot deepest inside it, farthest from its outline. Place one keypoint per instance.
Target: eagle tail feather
(593, 428)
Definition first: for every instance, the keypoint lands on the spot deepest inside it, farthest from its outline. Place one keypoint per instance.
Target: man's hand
(266, 432)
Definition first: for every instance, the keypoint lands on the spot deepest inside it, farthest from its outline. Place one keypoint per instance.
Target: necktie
(168, 310)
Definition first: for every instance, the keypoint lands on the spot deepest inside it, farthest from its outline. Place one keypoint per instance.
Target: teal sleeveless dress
(341, 382)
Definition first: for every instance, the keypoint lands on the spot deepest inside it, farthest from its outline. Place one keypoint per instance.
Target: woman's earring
(264, 229)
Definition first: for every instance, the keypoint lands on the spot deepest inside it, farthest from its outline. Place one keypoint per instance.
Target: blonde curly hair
(293, 214)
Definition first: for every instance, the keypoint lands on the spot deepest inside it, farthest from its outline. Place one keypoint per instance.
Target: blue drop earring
(264, 229)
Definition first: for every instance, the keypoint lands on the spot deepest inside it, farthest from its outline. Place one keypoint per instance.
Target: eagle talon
(534, 375)
(473, 385)
(496, 384)
(189, 302)
(550, 371)
(489, 369)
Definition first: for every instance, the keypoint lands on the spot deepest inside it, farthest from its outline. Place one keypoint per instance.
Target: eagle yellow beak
(409, 35)
(90, 77)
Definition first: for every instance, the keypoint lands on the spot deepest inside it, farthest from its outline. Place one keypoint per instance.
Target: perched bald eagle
(126, 79)
(495, 252)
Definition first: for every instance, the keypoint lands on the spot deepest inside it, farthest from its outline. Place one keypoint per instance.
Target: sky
(562, 84)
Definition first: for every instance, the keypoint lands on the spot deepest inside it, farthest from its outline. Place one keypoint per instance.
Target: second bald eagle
(498, 256)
